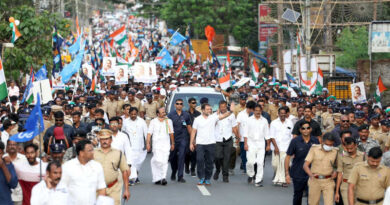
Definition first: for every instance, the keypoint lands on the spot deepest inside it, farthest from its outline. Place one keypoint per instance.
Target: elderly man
(50, 190)
(163, 141)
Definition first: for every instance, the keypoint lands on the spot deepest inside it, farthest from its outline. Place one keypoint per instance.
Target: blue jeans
(205, 160)
(243, 155)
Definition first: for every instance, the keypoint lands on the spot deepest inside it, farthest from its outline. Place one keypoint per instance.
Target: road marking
(203, 190)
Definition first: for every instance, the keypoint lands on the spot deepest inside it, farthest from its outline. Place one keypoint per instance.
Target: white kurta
(41, 195)
(224, 128)
(256, 132)
(161, 146)
(242, 117)
(83, 181)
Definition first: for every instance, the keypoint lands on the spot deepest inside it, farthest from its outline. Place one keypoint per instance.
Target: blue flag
(41, 74)
(73, 49)
(57, 43)
(164, 58)
(28, 91)
(34, 125)
(177, 38)
(72, 67)
(291, 80)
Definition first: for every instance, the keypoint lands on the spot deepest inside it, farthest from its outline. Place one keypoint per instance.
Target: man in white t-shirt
(204, 130)
(255, 137)
(163, 142)
(83, 176)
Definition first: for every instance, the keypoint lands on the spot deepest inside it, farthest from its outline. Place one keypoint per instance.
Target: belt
(345, 180)
(227, 139)
(323, 177)
(369, 201)
(112, 183)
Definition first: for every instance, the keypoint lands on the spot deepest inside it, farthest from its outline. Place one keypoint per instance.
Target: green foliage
(34, 47)
(226, 16)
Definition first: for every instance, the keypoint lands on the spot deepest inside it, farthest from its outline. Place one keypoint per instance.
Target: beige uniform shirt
(374, 132)
(68, 120)
(137, 104)
(151, 110)
(273, 112)
(382, 138)
(322, 162)
(293, 111)
(110, 107)
(345, 162)
(370, 184)
(111, 163)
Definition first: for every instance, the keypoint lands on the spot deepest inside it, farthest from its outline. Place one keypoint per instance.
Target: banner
(145, 72)
(87, 70)
(57, 83)
(121, 75)
(358, 93)
(380, 37)
(43, 89)
(108, 66)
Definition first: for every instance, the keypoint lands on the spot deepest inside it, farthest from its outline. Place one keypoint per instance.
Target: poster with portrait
(358, 93)
(86, 70)
(57, 83)
(121, 75)
(144, 72)
(109, 64)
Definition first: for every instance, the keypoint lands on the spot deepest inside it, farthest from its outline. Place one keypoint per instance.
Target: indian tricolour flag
(28, 95)
(3, 85)
(380, 87)
(178, 71)
(320, 82)
(15, 33)
(119, 36)
(224, 81)
(255, 71)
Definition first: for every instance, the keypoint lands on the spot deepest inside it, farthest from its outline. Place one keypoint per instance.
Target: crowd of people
(94, 143)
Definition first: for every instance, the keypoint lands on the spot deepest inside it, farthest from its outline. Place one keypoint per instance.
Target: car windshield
(214, 99)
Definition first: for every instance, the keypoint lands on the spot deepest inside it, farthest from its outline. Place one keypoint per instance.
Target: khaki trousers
(318, 186)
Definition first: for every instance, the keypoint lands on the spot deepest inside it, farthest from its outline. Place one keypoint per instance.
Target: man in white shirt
(280, 134)
(137, 130)
(83, 176)
(8, 125)
(13, 89)
(204, 130)
(120, 140)
(255, 136)
(163, 141)
(242, 117)
(12, 153)
(50, 190)
(224, 142)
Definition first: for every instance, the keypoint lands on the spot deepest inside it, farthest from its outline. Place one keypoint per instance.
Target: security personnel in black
(181, 128)
(57, 152)
(191, 156)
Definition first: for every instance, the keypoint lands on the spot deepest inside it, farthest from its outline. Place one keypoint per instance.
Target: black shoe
(250, 180)
(164, 182)
(187, 170)
(216, 175)
(226, 179)
(173, 177)
(193, 174)
(137, 181)
(157, 182)
(181, 180)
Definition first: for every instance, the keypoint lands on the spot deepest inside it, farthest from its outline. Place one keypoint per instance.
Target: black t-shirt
(315, 128)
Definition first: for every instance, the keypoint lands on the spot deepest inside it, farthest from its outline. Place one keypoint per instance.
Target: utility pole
(307, 34)
(280, 41)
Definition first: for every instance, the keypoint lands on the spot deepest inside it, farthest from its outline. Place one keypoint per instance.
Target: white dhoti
(159, 164)
(278, 165)
(255, 155)
(137, 158)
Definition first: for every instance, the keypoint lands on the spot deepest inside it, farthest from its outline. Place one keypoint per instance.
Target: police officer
(365, 143)
(57, 152)
(242, 104)
(368, 180)
(322, 159)
(375, 129)
(345, 162)
(359, 118)
(112, 161)
(150, 108)
(181, 128)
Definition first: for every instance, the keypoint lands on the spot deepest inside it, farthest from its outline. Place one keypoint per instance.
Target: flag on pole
(119, 36)
(224, 81)
(15, 32)
(73, 49)
(3, 84)
(291, 80)
(192, 56)
(176, 39)
(255, 71)
(28, 96)
(56, 43)
(380, 87)
(319, 83)
(164, 58)
(180, 68)
(41, 74)
(72, 67)
(78, 26)
(34, 125)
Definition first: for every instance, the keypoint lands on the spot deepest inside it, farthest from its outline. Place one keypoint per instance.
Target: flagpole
(168, 41)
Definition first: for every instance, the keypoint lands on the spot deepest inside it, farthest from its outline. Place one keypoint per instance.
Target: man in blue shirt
(181, 121)
(299, 147)
(8, 179)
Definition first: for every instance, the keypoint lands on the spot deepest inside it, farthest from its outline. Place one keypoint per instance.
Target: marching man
(163, 141)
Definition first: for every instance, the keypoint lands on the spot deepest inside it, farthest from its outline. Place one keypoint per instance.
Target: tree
(226, 16)
(34, 47)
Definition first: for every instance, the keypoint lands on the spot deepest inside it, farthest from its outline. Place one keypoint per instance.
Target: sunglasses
(179, 103)
(59, 120)
(193, 102)
(305, 128)
(344, 120)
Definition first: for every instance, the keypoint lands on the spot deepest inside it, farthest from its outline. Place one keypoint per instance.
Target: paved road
(236, 192)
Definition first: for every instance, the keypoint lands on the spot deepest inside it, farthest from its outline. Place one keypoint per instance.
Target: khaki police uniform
(110, 107)
(322, 164)
(266, 108)
(374, 132)
(137, 104)
(120, 106)
(238, 109)
(273, 111)
(382, 138)
(370, 184)
(345, 164)
(113, 163)
(293, 111)
(68, 120)
(150, 111)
